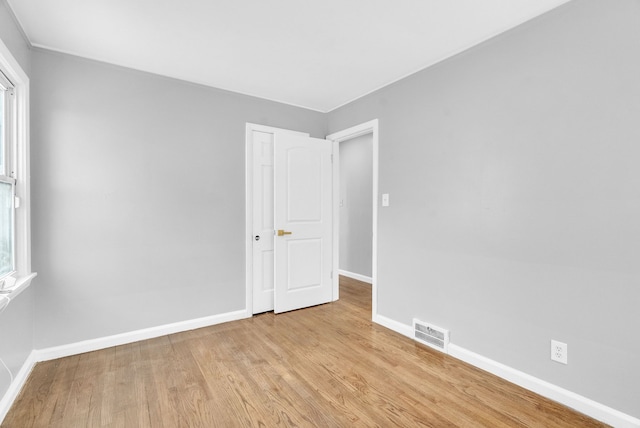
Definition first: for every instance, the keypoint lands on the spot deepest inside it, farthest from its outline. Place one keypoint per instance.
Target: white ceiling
(318, 54)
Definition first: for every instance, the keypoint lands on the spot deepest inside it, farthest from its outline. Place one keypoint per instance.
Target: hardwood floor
(326, 366)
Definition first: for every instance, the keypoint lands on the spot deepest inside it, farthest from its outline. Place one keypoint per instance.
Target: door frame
(249, 129)
(370, 127)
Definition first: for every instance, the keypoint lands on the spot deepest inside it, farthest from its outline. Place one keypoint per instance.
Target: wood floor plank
(52, 413)
(327, 365)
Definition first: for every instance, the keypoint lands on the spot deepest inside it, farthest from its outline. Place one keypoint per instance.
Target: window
(15, 224)
(7, 182)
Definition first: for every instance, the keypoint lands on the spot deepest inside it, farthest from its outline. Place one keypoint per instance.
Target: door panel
(304, 198)
(263, 256)
(303, 209)
(306, 254)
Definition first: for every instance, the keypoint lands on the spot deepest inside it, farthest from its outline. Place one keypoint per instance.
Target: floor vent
(430, 335)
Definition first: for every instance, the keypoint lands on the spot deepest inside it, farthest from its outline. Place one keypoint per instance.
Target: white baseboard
(46, 354)
(398, 327)
(135, 336)
(357, 276)
(18, 382)
(575, 401)
(581, 404)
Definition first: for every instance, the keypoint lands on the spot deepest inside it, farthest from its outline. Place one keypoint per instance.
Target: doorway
(360, 140)
(356, 208)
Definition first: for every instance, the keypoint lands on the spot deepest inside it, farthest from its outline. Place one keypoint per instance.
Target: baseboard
(18, 382)
(570, 399)
(582, 404)
(46, 354)
(135, 336)
(398, 327)
(357, 276)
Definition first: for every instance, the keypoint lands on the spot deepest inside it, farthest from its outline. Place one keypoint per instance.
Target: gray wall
(356, 199)
(513, 174)
(138, 188)
(11, 35)
(16, 322)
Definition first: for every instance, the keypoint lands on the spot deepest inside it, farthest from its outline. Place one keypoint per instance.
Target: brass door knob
(283, 232)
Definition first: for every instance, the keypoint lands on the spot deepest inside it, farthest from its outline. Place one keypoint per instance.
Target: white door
(303, 222)
(262, 217)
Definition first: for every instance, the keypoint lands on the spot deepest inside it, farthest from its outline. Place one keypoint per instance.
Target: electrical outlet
(559, 352)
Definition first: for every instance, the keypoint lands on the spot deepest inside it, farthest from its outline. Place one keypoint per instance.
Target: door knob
(283, 232)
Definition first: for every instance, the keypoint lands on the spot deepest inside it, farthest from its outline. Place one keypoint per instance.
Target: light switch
(385, 199)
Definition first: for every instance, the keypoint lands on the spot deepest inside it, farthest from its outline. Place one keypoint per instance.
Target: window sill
(21, 284)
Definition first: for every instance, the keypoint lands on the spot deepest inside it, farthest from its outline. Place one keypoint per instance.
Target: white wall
(138, 197)
(515, 188)
(356, 199)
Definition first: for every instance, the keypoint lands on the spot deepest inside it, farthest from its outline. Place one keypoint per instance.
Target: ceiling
(318, 54)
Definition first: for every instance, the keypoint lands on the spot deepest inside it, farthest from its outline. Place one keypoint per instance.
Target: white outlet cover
(559, 352)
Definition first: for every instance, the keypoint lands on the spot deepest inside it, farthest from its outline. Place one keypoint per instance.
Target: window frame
(7, 142)
(17, 172)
